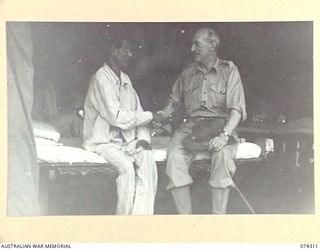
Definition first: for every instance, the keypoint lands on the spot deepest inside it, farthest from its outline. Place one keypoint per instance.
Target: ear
(214, 46)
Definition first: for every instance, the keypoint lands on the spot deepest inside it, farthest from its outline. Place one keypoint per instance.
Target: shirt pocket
(217, 95)
(192, 96)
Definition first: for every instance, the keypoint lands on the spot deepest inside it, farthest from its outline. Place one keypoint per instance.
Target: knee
(143, 156)
(225, 153)
(175, 150)
(172, 147)
(126, 168)
(224, 160)
(177, 160)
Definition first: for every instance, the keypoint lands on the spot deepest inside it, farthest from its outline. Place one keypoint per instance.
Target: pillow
(45, 130)
(247, 150)
(63, 154)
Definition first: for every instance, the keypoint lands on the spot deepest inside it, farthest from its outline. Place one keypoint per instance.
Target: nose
(129, 53)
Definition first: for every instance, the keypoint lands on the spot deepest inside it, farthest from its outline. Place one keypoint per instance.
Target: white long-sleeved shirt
(113, 110)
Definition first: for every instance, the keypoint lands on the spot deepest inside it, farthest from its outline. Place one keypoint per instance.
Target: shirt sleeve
(143, 132)
(175, 96)
(108, 105)
(235, 98)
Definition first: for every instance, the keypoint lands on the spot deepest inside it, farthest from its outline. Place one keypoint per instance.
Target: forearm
(168, 109)
(233, 121)
(174, 98)
(218, 142)
(143, 118)
(104, 98)
(127, 119)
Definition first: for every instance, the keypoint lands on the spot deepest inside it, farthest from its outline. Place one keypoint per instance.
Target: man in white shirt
(115, 128)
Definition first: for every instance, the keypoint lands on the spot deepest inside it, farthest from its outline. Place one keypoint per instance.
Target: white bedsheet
(64, 154)
(56, 153)
(245, 150)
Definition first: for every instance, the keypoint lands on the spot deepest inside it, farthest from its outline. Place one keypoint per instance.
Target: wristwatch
(225, 133)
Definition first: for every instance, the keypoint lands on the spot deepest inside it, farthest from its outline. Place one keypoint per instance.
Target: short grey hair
(212, 35)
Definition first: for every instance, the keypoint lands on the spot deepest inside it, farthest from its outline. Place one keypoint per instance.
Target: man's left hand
(143, 144)
(218, 142)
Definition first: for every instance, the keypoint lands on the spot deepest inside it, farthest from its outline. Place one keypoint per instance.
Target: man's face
(122, 55)
(201, 48)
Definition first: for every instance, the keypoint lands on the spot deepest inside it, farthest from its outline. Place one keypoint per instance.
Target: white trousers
(136, 188)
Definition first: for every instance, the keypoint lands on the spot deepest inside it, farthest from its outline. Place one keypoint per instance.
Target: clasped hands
(158, 118)
(135, 147)
(215, 144)
(143, 145)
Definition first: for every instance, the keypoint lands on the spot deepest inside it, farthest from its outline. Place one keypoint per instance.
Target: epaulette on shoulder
(226, 66)
(226, 63)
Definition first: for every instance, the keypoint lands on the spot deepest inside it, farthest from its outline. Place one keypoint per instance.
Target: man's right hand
(158, 117)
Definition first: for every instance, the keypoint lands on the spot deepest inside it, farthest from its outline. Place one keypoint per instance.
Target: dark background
(275, 60)
(276, 65)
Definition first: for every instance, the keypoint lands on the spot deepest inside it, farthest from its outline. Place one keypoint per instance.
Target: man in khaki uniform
(209, 88)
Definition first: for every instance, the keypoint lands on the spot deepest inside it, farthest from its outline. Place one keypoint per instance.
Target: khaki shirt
(210, 94)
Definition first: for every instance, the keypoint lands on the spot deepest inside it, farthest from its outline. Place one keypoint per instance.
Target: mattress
(68, 150)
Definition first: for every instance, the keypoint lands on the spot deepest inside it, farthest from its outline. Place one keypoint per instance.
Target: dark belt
(200, 118)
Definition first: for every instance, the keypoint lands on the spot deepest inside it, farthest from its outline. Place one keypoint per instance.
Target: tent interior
(275, 60)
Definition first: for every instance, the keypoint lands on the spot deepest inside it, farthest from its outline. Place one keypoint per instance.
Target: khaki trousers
(179, 160)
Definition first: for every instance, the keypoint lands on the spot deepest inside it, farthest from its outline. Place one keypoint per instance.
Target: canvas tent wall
(22, 160)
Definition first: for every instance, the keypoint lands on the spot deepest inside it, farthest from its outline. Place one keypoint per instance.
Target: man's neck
(209, 62)
(115, 68)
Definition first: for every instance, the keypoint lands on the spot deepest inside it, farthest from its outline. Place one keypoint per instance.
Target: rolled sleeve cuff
(242, 112)
(143, 118)
(173, 99)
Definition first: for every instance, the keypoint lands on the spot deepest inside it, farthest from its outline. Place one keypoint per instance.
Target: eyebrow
(197, 43)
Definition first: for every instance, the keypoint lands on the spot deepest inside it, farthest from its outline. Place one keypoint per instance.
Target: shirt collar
(214, 65)
(123, 80)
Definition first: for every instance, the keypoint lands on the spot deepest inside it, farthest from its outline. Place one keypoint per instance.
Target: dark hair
(114, 41)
